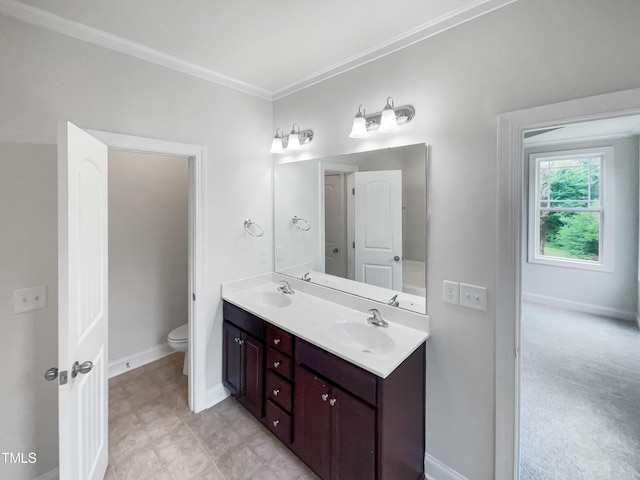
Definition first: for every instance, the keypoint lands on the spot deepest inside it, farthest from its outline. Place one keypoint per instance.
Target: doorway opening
(197, 328)
(580, 347)
(511, 216)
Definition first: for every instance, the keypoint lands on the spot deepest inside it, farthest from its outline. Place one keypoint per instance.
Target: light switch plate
(29, 299)
(450, 292)
(472, 296)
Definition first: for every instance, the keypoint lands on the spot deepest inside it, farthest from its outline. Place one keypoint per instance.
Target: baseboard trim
(434, 469)
(139, 359)
(579, 306)
(216, 394)
(50, 475)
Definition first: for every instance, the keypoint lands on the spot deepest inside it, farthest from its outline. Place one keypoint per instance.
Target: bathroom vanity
(349, 411)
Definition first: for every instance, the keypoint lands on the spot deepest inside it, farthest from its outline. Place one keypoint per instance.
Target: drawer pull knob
(276, 364)
(237, 339)
(276, 422)
(324, 397)
(332, 402)
(276, 392)
(276, 341)
(240, 342)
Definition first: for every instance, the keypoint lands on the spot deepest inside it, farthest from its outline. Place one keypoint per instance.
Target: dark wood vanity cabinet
(344, 422)
(243, 359)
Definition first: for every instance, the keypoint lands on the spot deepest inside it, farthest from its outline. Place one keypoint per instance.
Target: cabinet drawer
(279, 362)
(244, 320)
(279, 390)
(347, 375)
(279, 422)
(279, 339)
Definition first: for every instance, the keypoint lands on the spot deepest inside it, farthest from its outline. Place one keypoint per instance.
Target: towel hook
(257, 229)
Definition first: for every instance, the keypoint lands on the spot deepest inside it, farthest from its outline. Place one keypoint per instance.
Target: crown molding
(404, 40)
(79, 31)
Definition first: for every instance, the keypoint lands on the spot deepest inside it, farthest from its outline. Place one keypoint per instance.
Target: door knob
(84, 368)
(335, 250)
(333, 401)
(396, 258)
(276, 392)
(324, 397)
(51, 374)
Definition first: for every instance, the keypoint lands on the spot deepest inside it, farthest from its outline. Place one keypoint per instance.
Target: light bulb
(276, 144)
(294, 139)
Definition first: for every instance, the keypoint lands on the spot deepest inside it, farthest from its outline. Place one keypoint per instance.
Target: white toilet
(178, 339)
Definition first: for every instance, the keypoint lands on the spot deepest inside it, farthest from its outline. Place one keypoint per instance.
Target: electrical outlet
(472, 296)
(28, 299)
(265, 255)
(450, 292)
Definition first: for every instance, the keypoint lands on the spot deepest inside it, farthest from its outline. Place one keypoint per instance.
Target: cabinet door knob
(276, 392)
(237, 339)
(333, 401)
(240, 342)
(324, 397)
(276, 364)
(275, 423)
(276, 341)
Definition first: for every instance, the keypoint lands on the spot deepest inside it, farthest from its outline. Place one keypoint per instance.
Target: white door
(378, 228)
(83, 302)
(335, 226)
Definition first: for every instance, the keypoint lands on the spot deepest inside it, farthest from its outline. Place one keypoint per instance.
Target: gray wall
(47, 78)
(614, 291)
(148, 250)
(532, 52)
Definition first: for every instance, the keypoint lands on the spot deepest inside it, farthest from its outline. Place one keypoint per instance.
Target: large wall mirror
(356, 223)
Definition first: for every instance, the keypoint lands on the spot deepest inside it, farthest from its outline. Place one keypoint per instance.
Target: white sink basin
(361, 337)
(271, 299)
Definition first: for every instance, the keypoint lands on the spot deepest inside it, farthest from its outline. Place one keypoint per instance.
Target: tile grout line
(206, 452)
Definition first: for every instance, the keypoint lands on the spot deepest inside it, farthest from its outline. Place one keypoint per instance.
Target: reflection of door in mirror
(378, 228)
(335, 223)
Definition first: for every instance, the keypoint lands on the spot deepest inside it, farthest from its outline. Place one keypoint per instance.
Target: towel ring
(257, 229)
(301, 223)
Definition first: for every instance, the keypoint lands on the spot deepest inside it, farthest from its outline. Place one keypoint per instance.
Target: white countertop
(310, 317)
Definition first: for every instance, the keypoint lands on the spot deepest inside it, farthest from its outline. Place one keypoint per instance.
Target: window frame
(605, 247)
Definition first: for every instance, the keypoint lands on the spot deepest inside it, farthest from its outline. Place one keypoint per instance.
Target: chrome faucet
(394, 302)
(306, 277)
(376, 319)
(285, 288)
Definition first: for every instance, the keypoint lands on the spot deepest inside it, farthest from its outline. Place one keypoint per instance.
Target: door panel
(253, 375)
(232, 358)
(83, 302)
(378, 228)
(312, 422)
(335, 235)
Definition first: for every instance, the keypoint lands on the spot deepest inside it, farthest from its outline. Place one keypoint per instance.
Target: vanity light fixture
(293, 141)
(388, 120)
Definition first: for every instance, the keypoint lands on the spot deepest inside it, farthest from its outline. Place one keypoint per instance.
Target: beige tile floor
(153, 434)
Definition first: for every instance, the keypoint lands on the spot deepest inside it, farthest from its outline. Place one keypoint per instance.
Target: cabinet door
(312, 422)
(253, 372)
(232, 359)
(354, 437)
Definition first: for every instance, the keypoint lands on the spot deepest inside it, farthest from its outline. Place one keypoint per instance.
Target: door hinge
(517, 350)
(353, 191)
(193, 295)
(353, 245)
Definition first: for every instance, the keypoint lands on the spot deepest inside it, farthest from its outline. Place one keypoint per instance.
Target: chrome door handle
(396, 258)
(84, 368)
(335, 250)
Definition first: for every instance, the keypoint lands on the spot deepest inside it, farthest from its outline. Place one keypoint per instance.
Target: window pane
(570, 183)
(574, 235)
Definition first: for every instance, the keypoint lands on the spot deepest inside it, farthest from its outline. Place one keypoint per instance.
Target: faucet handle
(375, 312)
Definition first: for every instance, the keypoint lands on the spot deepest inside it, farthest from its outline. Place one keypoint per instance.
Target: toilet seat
(179, 334)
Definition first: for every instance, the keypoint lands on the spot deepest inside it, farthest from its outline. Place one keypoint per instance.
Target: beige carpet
(580, 396)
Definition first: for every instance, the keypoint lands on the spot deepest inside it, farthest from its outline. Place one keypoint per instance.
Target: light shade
(359, 129)
(294, 139)
(276, 144)
(388, 122)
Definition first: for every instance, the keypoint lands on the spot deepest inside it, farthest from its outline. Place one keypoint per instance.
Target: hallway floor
(580, 396)
(153, 434)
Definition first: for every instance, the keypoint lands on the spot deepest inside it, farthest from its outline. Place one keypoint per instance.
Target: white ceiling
(268, 48)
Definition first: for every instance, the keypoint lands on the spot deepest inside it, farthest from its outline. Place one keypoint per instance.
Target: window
(570, 208)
